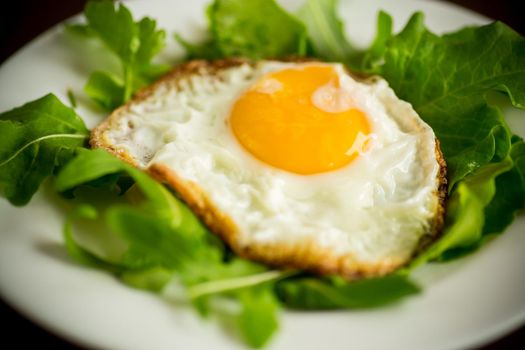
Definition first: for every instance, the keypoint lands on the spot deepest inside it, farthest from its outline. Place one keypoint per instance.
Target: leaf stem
(128, 83)
(319, 18)
(219, 286)
(20, 150)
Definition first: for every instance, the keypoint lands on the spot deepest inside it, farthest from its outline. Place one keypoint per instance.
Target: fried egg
(294, 164)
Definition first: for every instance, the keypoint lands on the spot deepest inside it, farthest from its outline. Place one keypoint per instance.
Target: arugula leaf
(227, 280)
(260, 30)
(137, 275)
(161, 230)
(134, 43)
(323, 293)
(75, 250)
(71, 98)
(208, 50)
(106, 89)
(325, 31)
(114, 25)
(37, 138)
(90, 165)
(164, 239)
(230, 281)
(258, 320)
(161, 241)
(150, 220)
(155, 226)
(252, 288)
(81, 30)
(446, 79)
(153, 279)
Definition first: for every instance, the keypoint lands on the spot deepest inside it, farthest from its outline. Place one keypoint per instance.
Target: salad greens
(450, 93)
(312, 293)
(259, 30)
(37, 139)
(446, 78)
(165, 241)
(326, 31)
(134, 43)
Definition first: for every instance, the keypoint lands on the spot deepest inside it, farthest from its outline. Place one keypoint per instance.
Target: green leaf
(160, 229)
(134, 43)
(165, 240)
(151, 41)
(90, 165)
(466, 214)
(36, 140)
(71, 98)
(81, 30)
(153, 279)
(372, 58)
(260, 30)
(446, 79)
(320, 294)
(75, 250)
(149, 73)
(252, 287)
(227, 281)
(157, 238)
(325, 31)
(207, 50)
(113, 24)
(258, 318)
(509, 199)
(106, 89)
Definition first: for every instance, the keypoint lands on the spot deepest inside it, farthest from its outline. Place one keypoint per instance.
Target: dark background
(22, 21)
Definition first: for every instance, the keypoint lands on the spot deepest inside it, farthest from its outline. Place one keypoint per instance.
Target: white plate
(464, 303)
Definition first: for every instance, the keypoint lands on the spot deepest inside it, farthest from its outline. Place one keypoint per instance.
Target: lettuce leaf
(260, 29)
(325, 31)
(446, 79)
(134, 43)
(37, 139)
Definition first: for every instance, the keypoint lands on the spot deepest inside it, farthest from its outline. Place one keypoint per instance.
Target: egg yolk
(300, 120)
